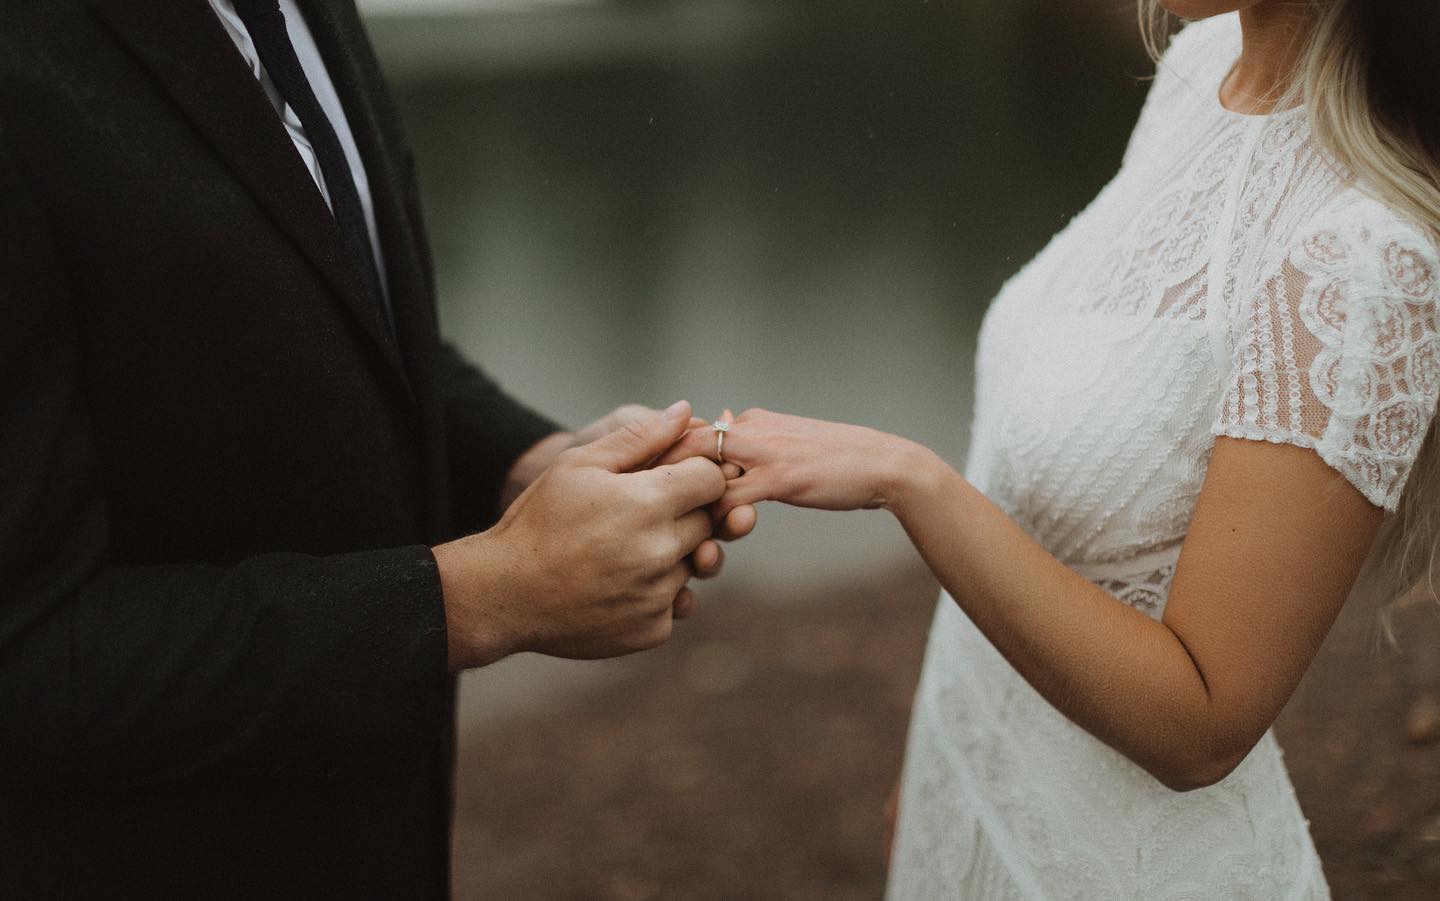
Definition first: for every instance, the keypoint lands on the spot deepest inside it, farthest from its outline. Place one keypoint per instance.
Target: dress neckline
(1219, 105)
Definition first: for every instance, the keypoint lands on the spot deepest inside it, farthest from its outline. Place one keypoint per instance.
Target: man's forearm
(146, 673)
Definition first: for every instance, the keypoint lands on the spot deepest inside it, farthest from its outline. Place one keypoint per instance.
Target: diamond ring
(721, 429)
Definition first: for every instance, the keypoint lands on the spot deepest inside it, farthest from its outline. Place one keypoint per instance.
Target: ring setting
(721, 428)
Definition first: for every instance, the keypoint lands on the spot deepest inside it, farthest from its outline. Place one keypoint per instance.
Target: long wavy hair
(1379, 118)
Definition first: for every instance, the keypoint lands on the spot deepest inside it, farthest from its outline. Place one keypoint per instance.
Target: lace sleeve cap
(1337, 348)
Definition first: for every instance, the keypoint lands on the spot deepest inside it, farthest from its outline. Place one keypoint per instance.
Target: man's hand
(533, 463)
(590, 561)
(708, 559)
(616, 419)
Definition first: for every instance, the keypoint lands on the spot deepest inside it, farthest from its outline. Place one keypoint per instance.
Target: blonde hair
(1392, 147)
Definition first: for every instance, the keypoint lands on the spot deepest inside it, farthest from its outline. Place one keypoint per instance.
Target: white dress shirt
(324, 89)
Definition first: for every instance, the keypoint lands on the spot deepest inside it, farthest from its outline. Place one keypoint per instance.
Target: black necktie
(266, 24)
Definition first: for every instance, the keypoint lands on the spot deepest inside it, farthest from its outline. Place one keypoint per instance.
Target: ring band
(721, 429)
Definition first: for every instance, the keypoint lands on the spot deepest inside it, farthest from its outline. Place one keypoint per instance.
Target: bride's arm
(1275, 544)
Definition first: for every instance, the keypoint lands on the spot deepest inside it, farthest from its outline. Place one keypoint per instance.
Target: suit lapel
(376, 128)
(374, 122)
(187, 50)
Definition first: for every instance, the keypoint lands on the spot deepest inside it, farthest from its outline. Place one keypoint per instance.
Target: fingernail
(677, 409)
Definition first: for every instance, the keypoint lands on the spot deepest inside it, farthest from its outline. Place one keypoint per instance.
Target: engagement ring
(722, 428)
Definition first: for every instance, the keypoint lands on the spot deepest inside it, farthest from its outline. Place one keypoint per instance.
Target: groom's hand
(533, 463)
(708, 559)
(590, 560)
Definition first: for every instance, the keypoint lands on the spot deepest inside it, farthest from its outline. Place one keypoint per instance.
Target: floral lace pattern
(1145, 591)
(1229, 281)
(1341, 350)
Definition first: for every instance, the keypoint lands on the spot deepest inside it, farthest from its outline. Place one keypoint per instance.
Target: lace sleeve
(1338, 349)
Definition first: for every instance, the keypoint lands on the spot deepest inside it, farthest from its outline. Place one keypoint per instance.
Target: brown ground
(750, 759)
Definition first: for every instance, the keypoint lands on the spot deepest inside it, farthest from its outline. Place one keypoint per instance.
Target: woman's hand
(809, 462)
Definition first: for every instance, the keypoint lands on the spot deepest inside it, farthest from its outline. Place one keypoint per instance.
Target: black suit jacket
(222, 642)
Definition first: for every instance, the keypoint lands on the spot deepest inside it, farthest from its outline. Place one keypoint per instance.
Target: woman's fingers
(741, 443)
(694, 443)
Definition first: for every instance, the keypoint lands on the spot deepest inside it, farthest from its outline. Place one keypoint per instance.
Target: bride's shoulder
(1199, 52)
(1186, 75)
(1375, 248)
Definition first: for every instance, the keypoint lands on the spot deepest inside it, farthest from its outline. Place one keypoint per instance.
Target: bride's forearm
(1120, 675)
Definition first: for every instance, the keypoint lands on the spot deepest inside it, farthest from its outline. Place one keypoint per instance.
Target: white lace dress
(1226, 282)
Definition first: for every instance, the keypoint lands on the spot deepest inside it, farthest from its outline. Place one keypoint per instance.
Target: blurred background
(804, 205)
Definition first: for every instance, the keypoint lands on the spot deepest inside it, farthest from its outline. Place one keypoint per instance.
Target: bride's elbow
(1194, 777)
(1192, 768)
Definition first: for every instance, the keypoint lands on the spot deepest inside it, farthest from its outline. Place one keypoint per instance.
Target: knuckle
(662, 630)
(704, 474)
(651, 495)
(661, 601)
(635, 428)
(650, 635)
(651, 554)
(636, 494)
(635, 642)
(717, 480)
(663, 551)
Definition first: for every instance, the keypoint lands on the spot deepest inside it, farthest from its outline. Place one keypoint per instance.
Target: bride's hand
(805, 462)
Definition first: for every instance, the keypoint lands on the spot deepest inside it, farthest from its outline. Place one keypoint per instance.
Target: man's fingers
(685, 604)
(731, 470)
(692, 529)
(689, 484)
(738, 523)
(695, 423)
(638, 441)
(674, 581)
(708, 559)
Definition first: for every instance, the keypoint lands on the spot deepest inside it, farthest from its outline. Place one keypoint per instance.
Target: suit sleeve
(487, 431)
(112, 673)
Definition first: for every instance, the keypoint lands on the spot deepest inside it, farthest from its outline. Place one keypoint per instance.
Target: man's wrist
(476, 633)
